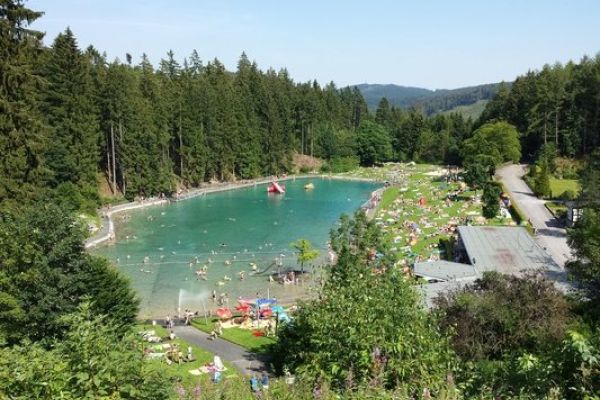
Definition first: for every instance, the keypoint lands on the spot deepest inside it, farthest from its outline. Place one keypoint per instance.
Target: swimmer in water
(242, 275)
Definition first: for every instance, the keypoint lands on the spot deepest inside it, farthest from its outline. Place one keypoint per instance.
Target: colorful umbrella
(224, 313)
(243, 308)
(266, 313)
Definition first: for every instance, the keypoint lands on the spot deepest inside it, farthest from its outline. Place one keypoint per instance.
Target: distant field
(472, 111)
(559, 186)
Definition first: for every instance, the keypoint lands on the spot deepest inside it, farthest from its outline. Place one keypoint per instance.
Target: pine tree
(22, 132)
(383, 115)
(68, 104)
(542, 180)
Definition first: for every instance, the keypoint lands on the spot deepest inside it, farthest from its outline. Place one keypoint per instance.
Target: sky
(423, 43)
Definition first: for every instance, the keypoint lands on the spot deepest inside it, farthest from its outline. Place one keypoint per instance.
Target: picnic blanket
(205, 369)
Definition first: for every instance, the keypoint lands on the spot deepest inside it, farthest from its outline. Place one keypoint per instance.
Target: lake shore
(107, 230)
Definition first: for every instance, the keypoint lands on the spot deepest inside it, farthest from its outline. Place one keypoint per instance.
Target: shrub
(491, 199)
(325, 168)
(368, 325)
(343, 164)
(568, 195)
(499, 314)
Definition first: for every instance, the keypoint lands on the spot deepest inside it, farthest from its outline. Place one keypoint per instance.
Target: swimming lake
(160, 248)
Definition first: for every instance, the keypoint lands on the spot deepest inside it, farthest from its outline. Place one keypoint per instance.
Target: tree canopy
(45, 273)
(498, 140)
(368, 324)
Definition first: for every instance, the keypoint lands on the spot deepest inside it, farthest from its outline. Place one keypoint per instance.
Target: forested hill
(71, 119)
(399, 96)
(429, 101)
(558, 105)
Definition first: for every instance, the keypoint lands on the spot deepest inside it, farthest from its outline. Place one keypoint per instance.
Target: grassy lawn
(389, 195)
(180, 371)
(559, 186)
(242, 337)
(400, 204)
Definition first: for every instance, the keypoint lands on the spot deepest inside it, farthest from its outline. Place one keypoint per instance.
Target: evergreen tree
(542, 180)
(68, 105)
(406, 135)
(383, 115)
(374, 144)
(491, 199)
(584, 237)
(22, 131)
(45, 273)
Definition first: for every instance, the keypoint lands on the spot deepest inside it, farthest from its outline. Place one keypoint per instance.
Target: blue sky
(425, 43)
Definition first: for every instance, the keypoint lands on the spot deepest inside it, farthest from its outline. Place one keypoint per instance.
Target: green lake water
(160, 248)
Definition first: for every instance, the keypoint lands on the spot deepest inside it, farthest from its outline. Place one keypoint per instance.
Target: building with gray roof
(442, 271)
(506, 249)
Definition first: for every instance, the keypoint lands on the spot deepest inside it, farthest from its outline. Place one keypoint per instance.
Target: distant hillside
(472, 111)
(401, 96)
(430, 101)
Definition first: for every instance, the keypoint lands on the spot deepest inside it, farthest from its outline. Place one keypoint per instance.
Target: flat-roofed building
(443, 271)
(506, 249)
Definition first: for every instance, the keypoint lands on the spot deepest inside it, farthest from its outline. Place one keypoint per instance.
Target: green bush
(542, 182)
(366, 328)
(568, 195)
(343, 164)
(488, 318)
(305, 169)
(325, 168)
(491, 199)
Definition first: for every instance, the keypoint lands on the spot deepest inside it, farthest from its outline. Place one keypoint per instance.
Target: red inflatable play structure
(276, 188)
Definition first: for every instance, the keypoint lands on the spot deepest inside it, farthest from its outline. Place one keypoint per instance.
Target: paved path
(244, 361)
(550, 234)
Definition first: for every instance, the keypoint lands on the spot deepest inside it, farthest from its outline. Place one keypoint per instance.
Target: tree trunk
(545, 128)
(123, 185)
(180, 146)
(114, 160)
(556, 128)
(108, 163)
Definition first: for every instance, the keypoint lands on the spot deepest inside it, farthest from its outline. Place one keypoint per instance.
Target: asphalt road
(244, 361)
(550, 234)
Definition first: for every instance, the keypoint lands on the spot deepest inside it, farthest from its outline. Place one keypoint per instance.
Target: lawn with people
(422, 207)
(172, 356)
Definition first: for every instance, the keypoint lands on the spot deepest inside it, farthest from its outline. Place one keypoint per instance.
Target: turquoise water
(160, 248)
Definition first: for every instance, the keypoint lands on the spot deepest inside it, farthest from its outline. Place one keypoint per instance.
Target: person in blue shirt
(264, 380)
(217, 376)
(254, 384)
